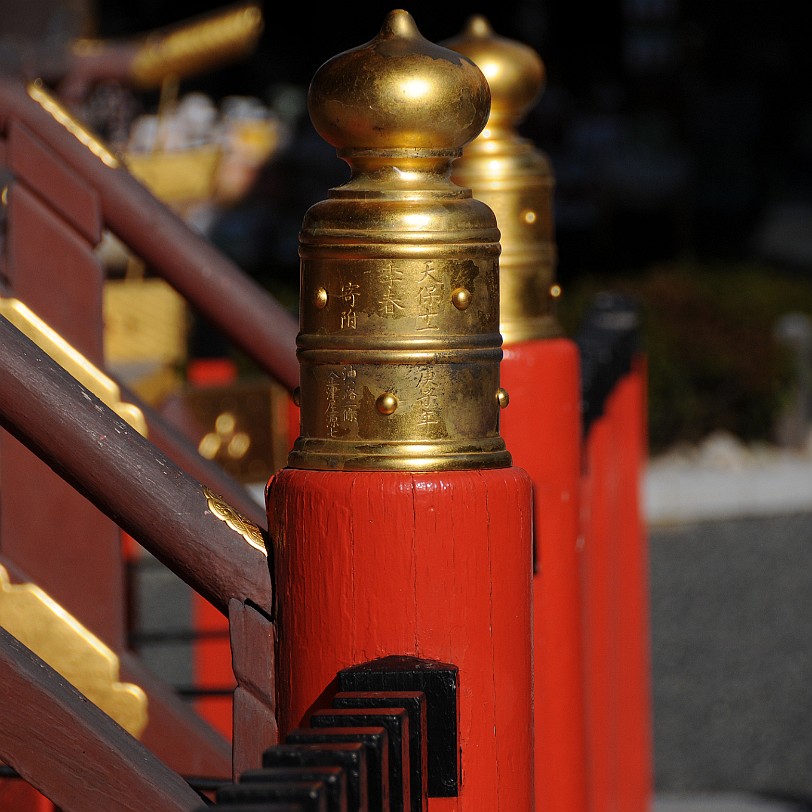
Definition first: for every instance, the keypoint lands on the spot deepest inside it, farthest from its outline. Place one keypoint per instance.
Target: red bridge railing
(327, 509)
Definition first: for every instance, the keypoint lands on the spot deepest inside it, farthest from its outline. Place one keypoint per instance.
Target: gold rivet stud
(555, 291)
(461, 298)
(320, 298)
(502, 397)
(386, 403)
(297, 396)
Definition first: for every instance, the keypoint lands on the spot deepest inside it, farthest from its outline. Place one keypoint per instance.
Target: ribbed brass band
(390, 326)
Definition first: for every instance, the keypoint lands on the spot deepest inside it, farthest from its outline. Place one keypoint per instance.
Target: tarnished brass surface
(236, 521)
(45, 100)
(399, 343)
(195, 46)
(515, 179)
(56, 637)
(72, 361)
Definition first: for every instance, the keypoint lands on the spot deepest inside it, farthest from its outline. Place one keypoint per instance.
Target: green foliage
(714, 362)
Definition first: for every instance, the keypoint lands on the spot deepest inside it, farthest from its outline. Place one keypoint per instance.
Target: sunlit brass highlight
(502, 398)
(399, 367)
(56, 637)
(386, 403)
(320, 299)
(198, 45)
(78, 130)
(461, 298)
(235, 520)
(515, 179)
(72, 361)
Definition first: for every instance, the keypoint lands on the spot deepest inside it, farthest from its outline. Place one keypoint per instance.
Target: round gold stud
(386, 403)
(320, 298)
(297, 396)
(461, 298)
(502, 397)
(555, 291)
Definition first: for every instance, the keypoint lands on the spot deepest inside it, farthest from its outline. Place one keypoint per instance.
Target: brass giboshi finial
(515, 179)
(399, 343)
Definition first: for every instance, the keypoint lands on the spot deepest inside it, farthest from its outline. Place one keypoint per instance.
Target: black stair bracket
(414, 703)
(350, 757)
(310, 796)
(386, 744)
(440, 684)
(376, 743)
(396, 723)
(254, 783)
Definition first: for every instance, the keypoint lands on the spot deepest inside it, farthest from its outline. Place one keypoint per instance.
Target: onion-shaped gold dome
(398, 90)
(515, 179)
(399, 343)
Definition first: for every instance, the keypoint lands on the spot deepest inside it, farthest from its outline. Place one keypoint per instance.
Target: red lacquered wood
(67, 192)
(55, 272)
(18, 796)
(433, 565)
(627, 411)
(600, 595)
(542, 430)
(253, 657)
(211, 664)
(616, 604)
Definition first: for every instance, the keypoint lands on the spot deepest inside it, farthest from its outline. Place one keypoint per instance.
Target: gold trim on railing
(55, 636)
(236, 521)
(72, 361)
(78, 130)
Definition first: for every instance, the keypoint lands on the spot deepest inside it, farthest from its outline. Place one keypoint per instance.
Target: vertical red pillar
(400, 526)
(543, 430)
(615, 572)
(434, 565)
(542, 427)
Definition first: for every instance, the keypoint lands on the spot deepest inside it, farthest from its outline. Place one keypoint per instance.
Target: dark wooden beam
(211, 547)
(71, 751)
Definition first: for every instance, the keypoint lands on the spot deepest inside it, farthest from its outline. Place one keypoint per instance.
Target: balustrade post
(540, 369)
(400, 525)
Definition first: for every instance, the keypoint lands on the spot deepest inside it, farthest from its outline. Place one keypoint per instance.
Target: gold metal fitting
(399, 342)
(515, 179)
(198, 45)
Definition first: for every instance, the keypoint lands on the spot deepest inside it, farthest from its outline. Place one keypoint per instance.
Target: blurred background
(680, 134)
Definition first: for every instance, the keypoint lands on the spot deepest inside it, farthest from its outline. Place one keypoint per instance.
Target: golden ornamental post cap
(399, 346)
(515, 179)
(398, 90)
(515, 72)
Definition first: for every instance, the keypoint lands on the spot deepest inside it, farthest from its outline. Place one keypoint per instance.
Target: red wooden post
(542, 428)
(400, 526)
(616, 611)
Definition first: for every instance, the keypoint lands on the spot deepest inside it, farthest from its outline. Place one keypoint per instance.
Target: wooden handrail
(199, 537)
(73, 752)
(245, 312)
(169, 440)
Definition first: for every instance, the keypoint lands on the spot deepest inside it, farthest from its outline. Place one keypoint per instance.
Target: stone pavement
(730, 549)
(722, 802)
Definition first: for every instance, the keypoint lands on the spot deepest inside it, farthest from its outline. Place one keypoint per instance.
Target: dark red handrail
(128, 478)
(244, 311)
